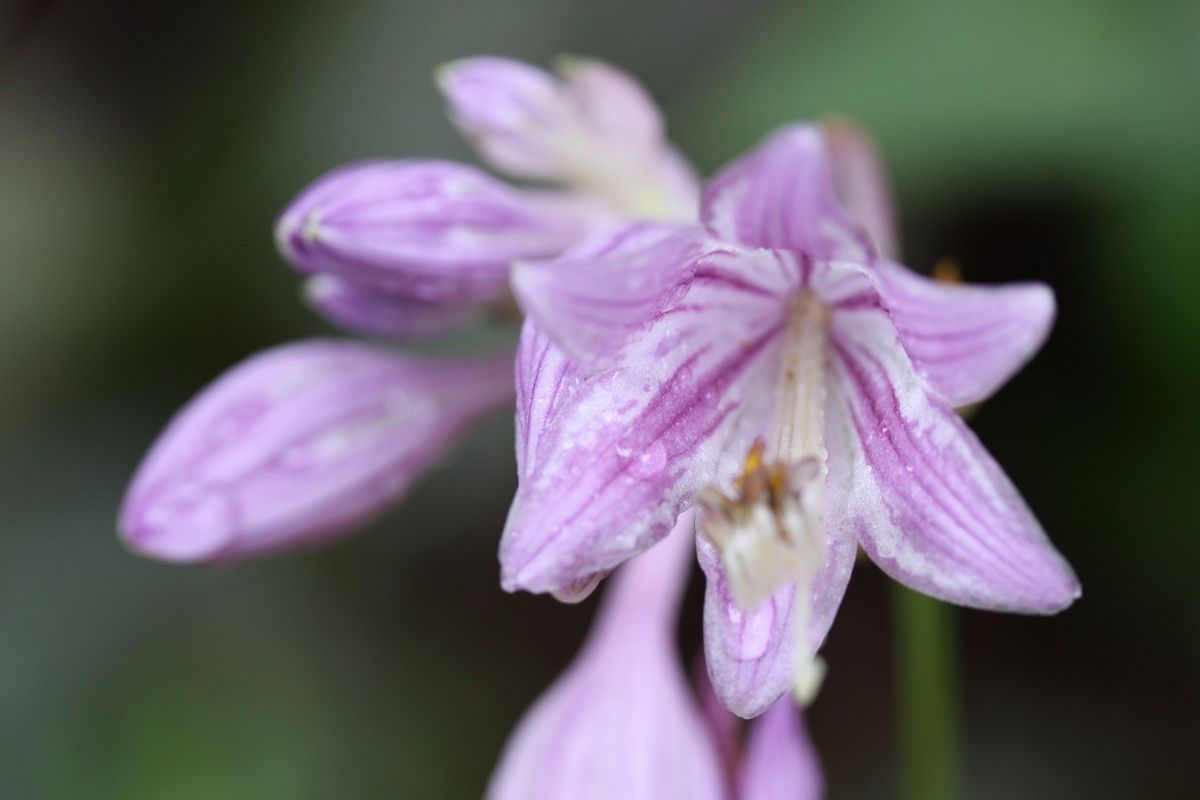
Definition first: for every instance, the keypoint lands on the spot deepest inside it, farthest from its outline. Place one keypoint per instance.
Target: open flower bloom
(770, 366)
(621, 721)
(300, 444)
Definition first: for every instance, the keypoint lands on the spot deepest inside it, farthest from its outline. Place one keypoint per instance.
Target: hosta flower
(623, 722)
(301, 444)
(771, 366)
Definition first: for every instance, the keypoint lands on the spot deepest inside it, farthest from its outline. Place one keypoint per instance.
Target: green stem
(929, 717)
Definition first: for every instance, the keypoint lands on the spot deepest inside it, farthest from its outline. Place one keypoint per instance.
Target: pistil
(771, 531)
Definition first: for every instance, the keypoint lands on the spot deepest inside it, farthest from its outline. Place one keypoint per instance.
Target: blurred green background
(146, 147)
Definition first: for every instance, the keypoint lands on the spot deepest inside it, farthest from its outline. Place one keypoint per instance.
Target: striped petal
(967, 341)
(300, 444)
(609, 457)
(926, 501)
(781, 195)
(602, 292)
(780, 762)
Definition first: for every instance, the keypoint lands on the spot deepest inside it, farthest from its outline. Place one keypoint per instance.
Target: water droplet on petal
(650, 461)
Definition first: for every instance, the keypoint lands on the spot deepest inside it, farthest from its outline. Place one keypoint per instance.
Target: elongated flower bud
(779, 760)
(299, 444)
(621, 721)
(431, 231)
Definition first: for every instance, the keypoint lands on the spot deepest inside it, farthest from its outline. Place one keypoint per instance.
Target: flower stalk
(930, 730)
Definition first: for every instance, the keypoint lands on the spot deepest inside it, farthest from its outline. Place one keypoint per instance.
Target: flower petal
(598, 294)
(926, 501)
(862, 183)
(780, 762)
(300, 444)
(510, 110)
(781, 195)
(966, 340)
(609, 457)
(434, 231)
(367, 309)
(614, 106)
(621, 721)
(593, 128)
(750, 655)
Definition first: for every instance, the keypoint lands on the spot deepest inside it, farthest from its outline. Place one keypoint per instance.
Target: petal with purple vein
(925, 499)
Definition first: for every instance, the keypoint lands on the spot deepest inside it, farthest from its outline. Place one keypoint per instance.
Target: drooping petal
(609, 457)
(298, 445)
(966, 340)
(863, 183)
(781, 195)
(433, 231)
(780, 762)
(597, 295)
(593, 127)
(926, 501)
(621, 721)
(750, 654)
(368, 309)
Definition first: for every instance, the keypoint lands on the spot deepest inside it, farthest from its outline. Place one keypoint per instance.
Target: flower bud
(779, 760)
(298, 445)
(431, 231)
(621, 721)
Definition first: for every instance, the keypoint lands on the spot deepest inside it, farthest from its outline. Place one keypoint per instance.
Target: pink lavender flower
(623, 722)
(301, 444)
(772, 367)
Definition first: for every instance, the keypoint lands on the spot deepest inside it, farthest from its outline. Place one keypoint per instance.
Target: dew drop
(650, 461)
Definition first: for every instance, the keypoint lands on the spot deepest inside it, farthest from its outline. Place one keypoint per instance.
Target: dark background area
(145, 149)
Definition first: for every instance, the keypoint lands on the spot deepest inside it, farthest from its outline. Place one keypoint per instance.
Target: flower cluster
(303, 443)
(744, 363)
